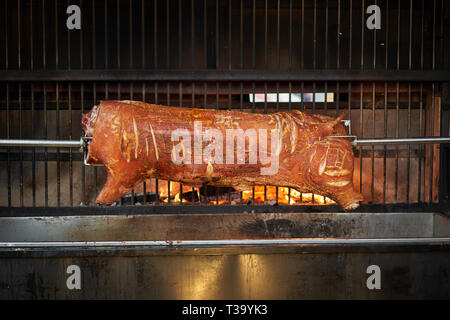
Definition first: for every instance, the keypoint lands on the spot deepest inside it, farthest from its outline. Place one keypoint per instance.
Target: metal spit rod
(42, 143)
(393, 141)
(354, 141)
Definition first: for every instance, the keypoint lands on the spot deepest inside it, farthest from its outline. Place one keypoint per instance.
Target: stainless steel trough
(226, 256)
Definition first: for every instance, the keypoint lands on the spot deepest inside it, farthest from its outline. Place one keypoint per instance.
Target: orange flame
(285, 195)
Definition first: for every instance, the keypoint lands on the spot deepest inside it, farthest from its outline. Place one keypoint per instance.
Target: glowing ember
(269, 195)
(283, 196)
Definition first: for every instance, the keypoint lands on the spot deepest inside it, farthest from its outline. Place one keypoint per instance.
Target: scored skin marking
(209, 170)
(125, 144)
(280, 138)
(293, 133)
(154, 143)
(136, 137)
(338, 183)
(337, 173)
(146, 146)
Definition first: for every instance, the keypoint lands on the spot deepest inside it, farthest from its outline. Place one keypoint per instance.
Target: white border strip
(247, 242)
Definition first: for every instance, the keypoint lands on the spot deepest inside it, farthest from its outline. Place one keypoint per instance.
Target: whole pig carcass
(137, 141)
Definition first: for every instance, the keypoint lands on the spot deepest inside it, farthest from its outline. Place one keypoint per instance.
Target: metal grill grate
(218, 54)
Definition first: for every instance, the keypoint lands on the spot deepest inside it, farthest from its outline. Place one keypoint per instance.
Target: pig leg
(112, 190)
(331, 173)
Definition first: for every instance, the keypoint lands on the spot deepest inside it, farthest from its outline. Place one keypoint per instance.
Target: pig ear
(334, 126)
(339, 119)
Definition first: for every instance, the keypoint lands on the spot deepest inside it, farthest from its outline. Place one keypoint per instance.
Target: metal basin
(226, 256)
(224, 226)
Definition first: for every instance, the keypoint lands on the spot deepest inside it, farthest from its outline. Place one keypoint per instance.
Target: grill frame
(235, 48)
(69, 75)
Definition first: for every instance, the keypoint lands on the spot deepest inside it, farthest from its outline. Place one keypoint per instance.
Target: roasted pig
(137, 141)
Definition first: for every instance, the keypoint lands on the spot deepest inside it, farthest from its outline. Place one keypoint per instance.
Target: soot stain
(285, 228)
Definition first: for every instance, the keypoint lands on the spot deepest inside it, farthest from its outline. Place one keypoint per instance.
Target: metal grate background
(393, 82)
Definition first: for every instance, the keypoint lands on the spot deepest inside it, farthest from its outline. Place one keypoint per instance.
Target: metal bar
(408, 164)
(130, 35)
(130, 29)
(338, 36)
(386, 52)
(373, 132)
(179, 37)
(254, 35)
(180, 101)
(155, 57)
(314, 35)
(83, 168)
(155, 39)
(363, 26)
(229, 34)
(168, 35)
(118, 35)
(44, 62)
(396, 135)
(58, 162)
(193, 35)
(243, 242)
(19, 47)
(40, 143)
(20, 136)
(265, 34)
(326, 35)
(70, 117)
(19, 56)
(290, 35)
(419, 176)
(302, 44)
(156, 102)
(373, 113)
(225, 75)
(361, 131)
(8, 164)
(241, 36)
(144, 184)
(217, 35)
(93, 103)
(422, 28)
(432, 111)
(205, 47)
(106, 35)
(397, 96)
(33, 161)
(385, 135)
(394, 141)
(350, 37)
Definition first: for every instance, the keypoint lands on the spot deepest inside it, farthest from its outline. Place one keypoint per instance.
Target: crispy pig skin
(133, 140)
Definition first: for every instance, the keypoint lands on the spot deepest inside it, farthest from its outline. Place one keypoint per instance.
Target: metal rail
(239, 242)
(401, 141)
(223, 75)
(393, 141)
(41, 143)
